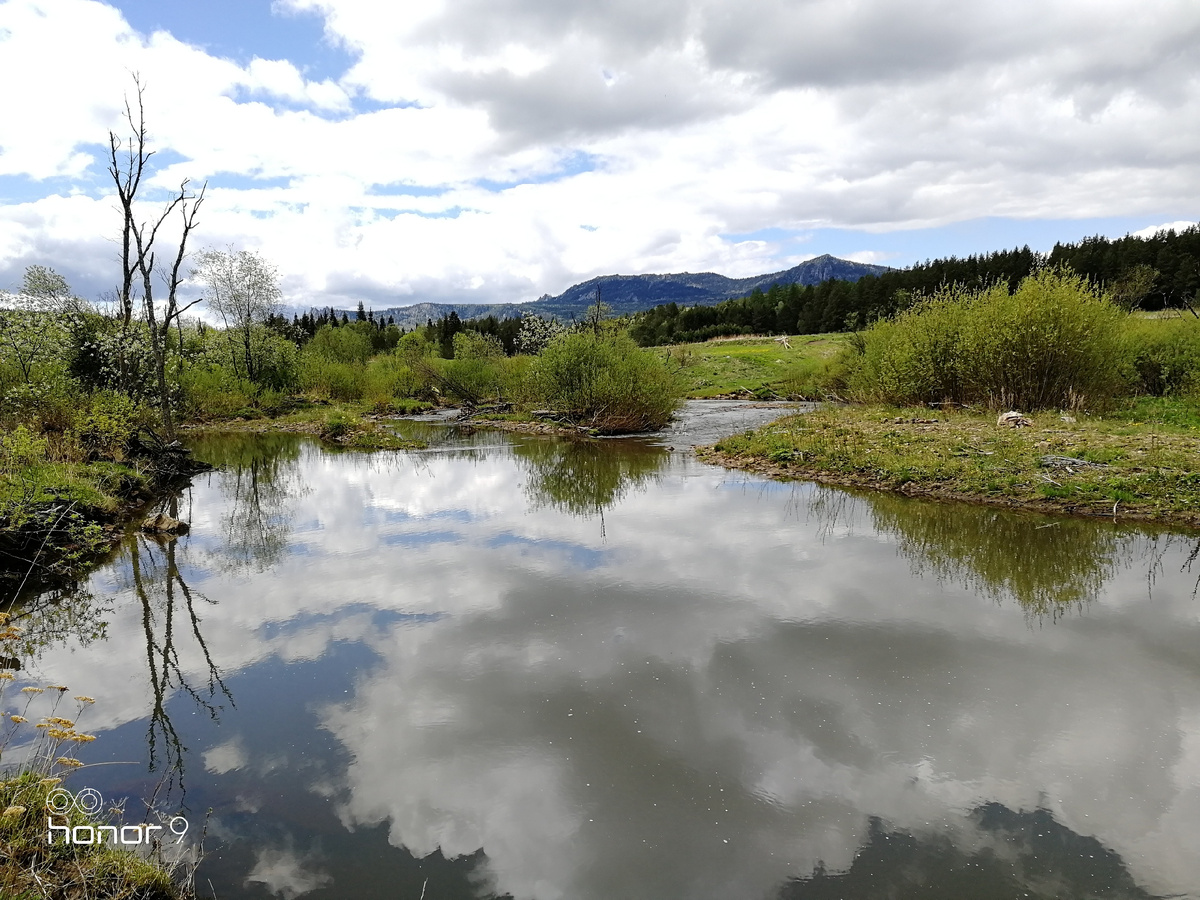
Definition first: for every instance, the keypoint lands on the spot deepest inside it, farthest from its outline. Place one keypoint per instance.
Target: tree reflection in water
(260, 474)
(165, 596)
(1049, 566)
(56, 617)
(584, 478)
(999, 855)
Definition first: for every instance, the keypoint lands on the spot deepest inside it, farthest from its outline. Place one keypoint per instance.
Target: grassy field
(1141, 462)
(758, 366)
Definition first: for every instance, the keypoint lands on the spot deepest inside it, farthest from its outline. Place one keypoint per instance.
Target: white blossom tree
(243, 289)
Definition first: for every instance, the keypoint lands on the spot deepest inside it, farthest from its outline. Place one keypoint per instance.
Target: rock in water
(1013, 419)
(161, 523)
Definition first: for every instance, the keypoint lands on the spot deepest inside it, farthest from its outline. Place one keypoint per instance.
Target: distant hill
(634, 293)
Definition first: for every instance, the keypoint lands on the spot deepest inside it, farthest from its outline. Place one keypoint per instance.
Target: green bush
(104, 425)
(1054, 342)
(386, 379)
(344, 345)
(1163, 356)
(329, 379)
(915, 357)
(211, 391)
(605, 381)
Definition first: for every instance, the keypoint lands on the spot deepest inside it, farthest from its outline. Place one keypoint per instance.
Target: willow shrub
(1054, 342)
(1163, 356)
(913, 358)
(606, 382)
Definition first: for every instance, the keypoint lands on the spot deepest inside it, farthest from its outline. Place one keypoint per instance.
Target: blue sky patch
(904, 248)
(240, 30)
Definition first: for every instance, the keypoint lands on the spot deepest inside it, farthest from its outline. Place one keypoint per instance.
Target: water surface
(516, 666)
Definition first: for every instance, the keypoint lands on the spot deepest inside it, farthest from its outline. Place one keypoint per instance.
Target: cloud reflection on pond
(732, 685)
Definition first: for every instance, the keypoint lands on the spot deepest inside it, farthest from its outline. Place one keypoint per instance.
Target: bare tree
(128, 158)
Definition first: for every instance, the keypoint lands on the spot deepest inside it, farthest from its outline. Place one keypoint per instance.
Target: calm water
(527, 667)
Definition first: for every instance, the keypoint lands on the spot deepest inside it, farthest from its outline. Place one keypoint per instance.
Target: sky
(497, 150)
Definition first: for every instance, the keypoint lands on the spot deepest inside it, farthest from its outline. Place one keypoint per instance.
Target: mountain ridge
(627, 294)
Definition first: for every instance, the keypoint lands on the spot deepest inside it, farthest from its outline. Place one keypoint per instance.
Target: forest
(1148, 273)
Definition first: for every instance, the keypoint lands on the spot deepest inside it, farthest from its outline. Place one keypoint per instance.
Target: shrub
(212, 391)
(605, 381)
(1053, 342)
(1163, 356)
(104, 425)
(913, 358)
(344, 345)
(330, 379)
(386, 379)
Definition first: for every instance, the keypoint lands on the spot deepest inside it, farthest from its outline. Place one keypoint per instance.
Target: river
(522, 666)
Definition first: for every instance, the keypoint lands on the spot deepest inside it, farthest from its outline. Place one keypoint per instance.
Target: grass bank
(759, 367)
(36, 792)
(1141, 462)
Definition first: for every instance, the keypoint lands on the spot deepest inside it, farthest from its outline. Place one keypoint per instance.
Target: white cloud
(664, 125)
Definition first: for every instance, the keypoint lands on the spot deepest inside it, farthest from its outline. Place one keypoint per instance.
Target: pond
(535, 668)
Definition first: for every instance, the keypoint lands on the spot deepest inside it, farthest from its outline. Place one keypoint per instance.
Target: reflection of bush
(583, 478)
(1045, 565)
(1006, 854)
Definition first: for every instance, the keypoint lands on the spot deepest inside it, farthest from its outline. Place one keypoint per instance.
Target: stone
(1013, 419)
(161, 523)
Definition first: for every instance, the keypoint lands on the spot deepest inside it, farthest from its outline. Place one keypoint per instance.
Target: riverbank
(1120, 466)
(57, 518)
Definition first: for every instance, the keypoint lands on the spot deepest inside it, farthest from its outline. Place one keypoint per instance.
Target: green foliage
(1164, 355)
(343, 345)
(336, 426)
(606, 382)
(212, 392)
(915, 357)
(105, 425)
(1054, 342)
(474, 345)
(386, 378)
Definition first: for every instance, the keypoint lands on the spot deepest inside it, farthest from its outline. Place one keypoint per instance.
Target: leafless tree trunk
(128, 160)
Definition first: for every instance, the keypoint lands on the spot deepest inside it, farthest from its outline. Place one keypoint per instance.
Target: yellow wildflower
(20, 720)
(57, 687)
(32, 690)
(7, 676)
(83, 738)
(13, 811)
(65, 723)
(68, 762)
(83, 699)
(59, 733)
(42, 725)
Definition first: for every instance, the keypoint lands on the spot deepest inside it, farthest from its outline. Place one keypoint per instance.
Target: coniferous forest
(1148, 273)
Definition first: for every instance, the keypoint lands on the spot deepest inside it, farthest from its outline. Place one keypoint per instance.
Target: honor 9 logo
(89, 802)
